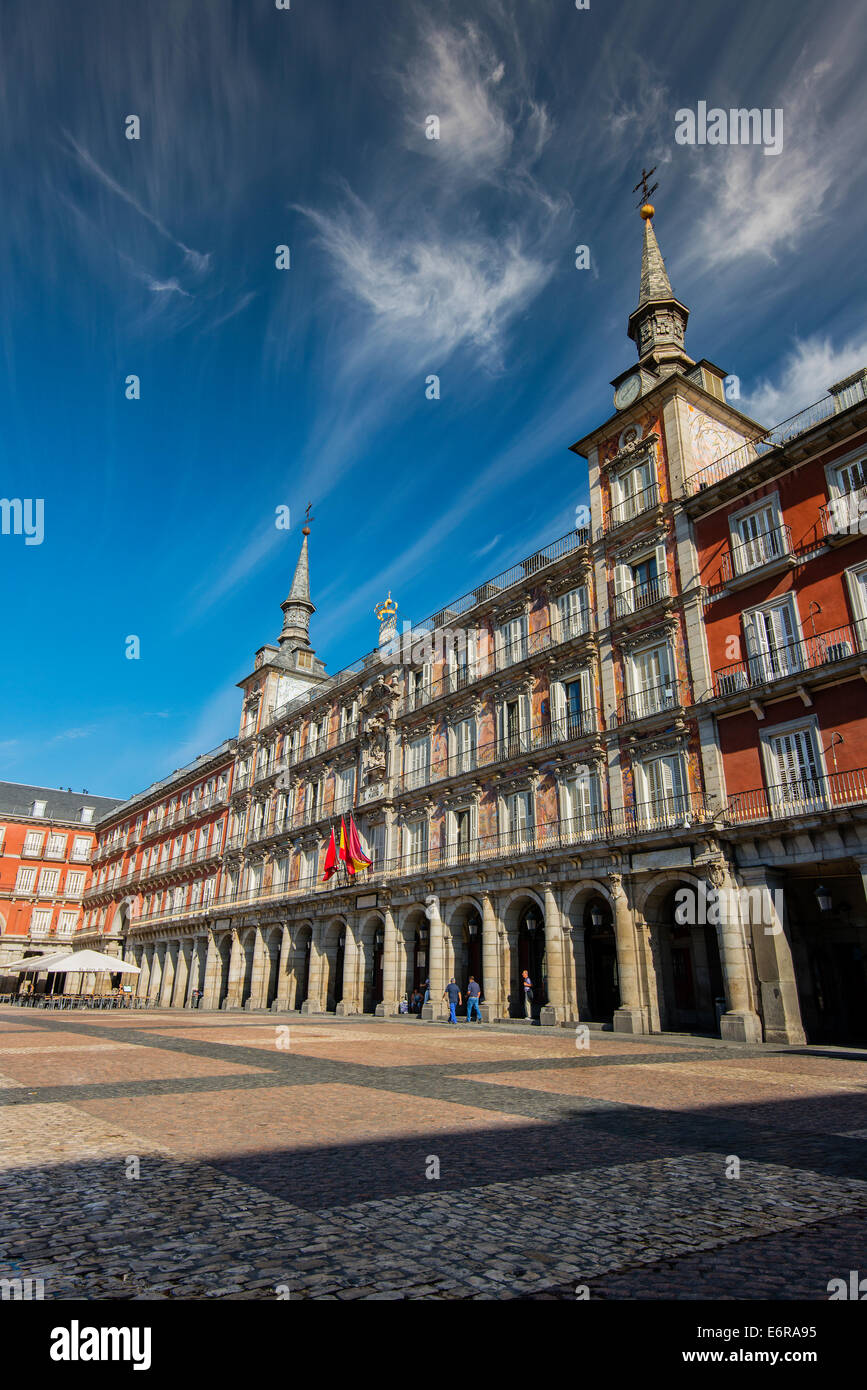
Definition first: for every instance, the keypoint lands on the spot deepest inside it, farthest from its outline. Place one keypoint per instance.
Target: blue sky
(409, 256)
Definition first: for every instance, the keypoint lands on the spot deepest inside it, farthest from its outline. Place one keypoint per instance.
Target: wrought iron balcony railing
(845, 516)
(658, 699)
(537, 738)
(632, 507)
(787, 659)
(803, 796)
(643, 595)
(776, 438)
(763, 549)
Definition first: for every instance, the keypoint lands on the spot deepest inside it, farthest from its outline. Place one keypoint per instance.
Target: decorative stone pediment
(658, 632)
(645, 541)
(505, 612)
(633, 453)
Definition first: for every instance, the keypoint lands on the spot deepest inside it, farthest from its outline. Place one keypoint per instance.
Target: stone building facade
(537, 771)
(47, 837)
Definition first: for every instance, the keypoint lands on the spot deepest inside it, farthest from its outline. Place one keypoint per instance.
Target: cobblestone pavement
(373, 1160)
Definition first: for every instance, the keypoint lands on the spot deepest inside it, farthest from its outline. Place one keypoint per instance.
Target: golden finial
(305, 530)
(386, 609)
(646, 209)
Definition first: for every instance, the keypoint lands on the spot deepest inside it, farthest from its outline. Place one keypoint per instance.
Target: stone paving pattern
(303, 1168)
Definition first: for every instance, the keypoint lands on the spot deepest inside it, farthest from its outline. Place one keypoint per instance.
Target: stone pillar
(387, 1006)
(557, 1008)
(145, 976)
(740, 1022)
(282, 1003)
(213, 972)
(313, 1003)
(259, 980)
(156, 974)
(236, 973)
(631, 1016)
(182, 975)
(765, 907)
(494, 1005)
(354, 965)
(168, 978)
(434, 1008)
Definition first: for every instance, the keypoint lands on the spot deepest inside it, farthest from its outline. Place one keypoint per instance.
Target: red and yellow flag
(357, 857)
(330, 865)
(343, 848)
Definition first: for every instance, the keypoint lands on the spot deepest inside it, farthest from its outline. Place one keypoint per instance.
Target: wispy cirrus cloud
(804, 375)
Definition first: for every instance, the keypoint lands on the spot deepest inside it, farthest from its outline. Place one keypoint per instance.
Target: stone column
(434, 1008)
(182, 975)
(387, 1006)
(155, 975)
(168, 978)
(259, 979)
(282, 1002)
(145, 976)
(557, 1008)
(631, 1016)
(236, 973)
(354, 964)
(494, 1004)
(313, 1004)
(213, 972)
(765, 907)
(740, 1022)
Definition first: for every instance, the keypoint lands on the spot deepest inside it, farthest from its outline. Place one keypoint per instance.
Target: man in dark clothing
(453, 994)
(474, 994)
(528, 995)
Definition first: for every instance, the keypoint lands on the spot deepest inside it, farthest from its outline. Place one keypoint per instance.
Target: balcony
(647, 704)
(789, 659)
(844, 518)
(664, 817)
(806, 796)
(519, 744)
(641, 596)
(569, 628)
(632, 507)
(763, 554)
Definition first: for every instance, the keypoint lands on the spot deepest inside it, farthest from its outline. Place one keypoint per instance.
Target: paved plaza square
(323, 1159)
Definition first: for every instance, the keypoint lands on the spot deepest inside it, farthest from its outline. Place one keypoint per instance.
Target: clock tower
(657, 326)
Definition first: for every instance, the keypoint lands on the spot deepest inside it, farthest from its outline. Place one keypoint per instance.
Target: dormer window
(38, 808)
(87, 814)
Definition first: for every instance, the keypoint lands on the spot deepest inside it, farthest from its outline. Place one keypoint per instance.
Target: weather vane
(305, 530)
(645, 204)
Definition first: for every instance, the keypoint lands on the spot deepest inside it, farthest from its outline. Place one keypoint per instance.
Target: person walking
(528, 995)
(474, 994)
(453, 994)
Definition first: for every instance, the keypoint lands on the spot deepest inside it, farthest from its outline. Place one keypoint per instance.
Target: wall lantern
(823, 898)
(596, 915)
(531, 923)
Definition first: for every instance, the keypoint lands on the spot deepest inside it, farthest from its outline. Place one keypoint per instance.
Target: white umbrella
(79, 961)
(28, 962)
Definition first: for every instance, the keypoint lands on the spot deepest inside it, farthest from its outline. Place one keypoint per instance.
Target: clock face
(627, 392)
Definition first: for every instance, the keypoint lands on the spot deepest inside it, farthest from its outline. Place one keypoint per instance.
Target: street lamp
(823, 898)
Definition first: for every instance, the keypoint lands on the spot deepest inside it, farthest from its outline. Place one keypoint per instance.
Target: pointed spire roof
(297, 608)
(657, 326)
(655, 283)
(301, 581)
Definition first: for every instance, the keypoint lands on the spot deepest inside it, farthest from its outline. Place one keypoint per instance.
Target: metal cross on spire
(642, 184)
